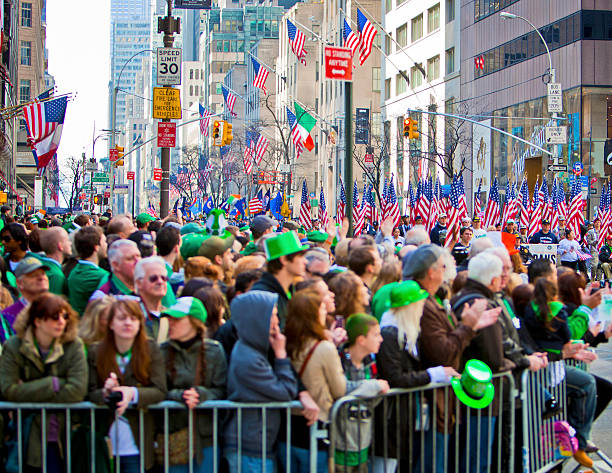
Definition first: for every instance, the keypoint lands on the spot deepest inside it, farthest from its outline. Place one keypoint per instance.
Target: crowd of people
(129, 312)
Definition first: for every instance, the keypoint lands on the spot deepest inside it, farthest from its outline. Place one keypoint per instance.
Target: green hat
(70, 226)
(359, 324)
(187, 306)
(191, 244)
(144, 218)
(474, 388)
(192, 227)
(246, 228)
(317, 236)
(249, 249)
(216, 225)
(28, 265)
(282, 245)
(406, 293)
(213, 246)
(382, 300)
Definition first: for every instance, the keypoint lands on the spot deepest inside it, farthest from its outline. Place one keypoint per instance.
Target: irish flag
(305, 124)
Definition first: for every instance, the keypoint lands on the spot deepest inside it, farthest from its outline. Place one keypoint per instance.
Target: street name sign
(167, 103)
(555, 98)
(557, 168)
(100, 177)
(166, 135)
(121, 188)
(338, 63)
(555, 135)
(169, 62)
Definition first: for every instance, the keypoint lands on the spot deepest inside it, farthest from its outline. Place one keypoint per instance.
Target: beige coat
(323, 376)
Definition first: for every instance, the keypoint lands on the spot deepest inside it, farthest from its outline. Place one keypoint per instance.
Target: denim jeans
(478, 462)
(206, 466)
(249, 464)
(429, 457)
(582, 397)
(300, 459)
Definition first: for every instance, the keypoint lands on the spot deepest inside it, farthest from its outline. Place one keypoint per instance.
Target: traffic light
(407, 124)
(97, 199)
(410, 129)
(218, 132)
(119, 163)
(227, 134)
(119, 151)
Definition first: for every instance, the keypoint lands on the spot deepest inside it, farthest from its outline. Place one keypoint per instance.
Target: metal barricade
(83, 415)
(425, 427)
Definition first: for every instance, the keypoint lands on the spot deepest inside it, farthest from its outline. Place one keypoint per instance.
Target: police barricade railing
(424, 429)
(83, 414)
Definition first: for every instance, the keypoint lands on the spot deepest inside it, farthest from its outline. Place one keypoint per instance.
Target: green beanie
(359, 324)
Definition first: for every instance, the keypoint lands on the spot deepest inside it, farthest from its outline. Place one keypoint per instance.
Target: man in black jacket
(286, 261)
(544, 235)
(605, 257)
(440, 225)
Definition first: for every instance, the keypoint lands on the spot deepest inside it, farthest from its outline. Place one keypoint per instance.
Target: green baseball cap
(144, 218)
(27, 265)
(214, 245)
(283, 244)
(191, 244)
(474, 388)
(192, 227)
(405, 293)
(187, 306)
(317, 236)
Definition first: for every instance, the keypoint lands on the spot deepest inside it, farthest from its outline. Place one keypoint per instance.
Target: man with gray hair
(484, 280)
(150, 279)
(317, 263)
(122, 258)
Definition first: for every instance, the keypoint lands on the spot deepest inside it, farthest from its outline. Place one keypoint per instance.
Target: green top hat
(474, 388)
(216, 225)
(406, 293)
(191, 244)
(282, 245)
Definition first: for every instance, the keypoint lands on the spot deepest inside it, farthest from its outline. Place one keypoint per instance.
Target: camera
(113, 399)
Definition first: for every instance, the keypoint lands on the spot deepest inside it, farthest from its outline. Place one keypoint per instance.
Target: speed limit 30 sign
(169, 66)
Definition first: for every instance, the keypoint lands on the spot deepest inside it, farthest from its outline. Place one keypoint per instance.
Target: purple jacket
(9, 315)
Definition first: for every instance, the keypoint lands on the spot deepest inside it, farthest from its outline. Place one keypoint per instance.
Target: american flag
(462, 200)
(492, 211)
(392, 205)
(383, 203)
(554, 206)
(582, 256)
(230, 100)
(205, 120)
(535, 219)
(248, 160)
(412, 202)
(477, 204)
(305, 211)
(374, 215)
(363, 211)
(323, 217)
(297, 41)
(454, 220)
(523, 202)
(296, 137)
(261, 74)
(561, 201)
(207, 170)
(356, 211)
(507, 204)
(575, 216)
(432, 215)
(151, 210)
(479, 62)
(341, 207)
(255, 205)
(544, 202)
(44, 122)
(259, 144)
(603, 212)
(423, 203)
(367, 32)
(438, 197)
(351, 40)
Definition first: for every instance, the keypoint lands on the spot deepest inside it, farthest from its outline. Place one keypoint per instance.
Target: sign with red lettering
(338, 63)
(113, 155)
(131, 175)
(166, 135)
(107, 194)
(157, 174)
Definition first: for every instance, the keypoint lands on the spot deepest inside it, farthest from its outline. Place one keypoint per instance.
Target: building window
(376, 79)
(400, 84)
(433, 67)
(450, 60)
(417, 28)
(433, 18)
(387, 44)
(24, 90)
(399, 2)
(26, 53)
(387, 89)
(197, 74)
(401, 35)
(26, 14)
(388, 5)
(197, 90)
(191, 73)
(191, 90)
(485, 8)
(450, 10)
(416, 77)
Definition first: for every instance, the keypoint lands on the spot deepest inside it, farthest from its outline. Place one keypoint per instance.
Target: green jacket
(26, 377)
(83, 280)
(181, 366)
(152, 393)
(169, 299)
(57, 280)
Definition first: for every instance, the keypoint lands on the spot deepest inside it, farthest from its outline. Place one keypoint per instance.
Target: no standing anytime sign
(338, 63)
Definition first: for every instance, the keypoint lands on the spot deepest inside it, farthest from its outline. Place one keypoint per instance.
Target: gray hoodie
(251, 377)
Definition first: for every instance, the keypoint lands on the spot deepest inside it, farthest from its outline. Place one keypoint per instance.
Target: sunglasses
(154, 278)
(63, 315)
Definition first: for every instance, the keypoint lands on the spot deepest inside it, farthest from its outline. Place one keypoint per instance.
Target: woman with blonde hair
(44, 362)
(93, 323)
(126, 368)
